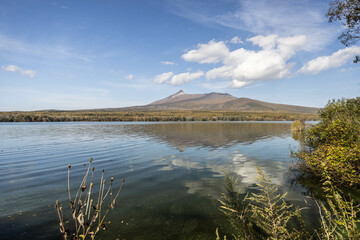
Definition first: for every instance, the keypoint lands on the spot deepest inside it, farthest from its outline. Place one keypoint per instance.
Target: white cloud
(167, 63)
(170, 78)
(337, 59)
(211, 52)
(244, 67)
(185, 77)
(236, 39)
(130, 77)
(14, 68)
(162, 78)
(265, 42)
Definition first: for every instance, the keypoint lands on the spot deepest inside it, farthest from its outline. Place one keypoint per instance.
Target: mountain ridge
(216, 101)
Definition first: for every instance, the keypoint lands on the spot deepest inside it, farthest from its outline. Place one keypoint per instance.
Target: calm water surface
(174, 173)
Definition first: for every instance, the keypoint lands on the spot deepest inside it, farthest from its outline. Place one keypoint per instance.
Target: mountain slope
(221, 102)
(215, 102)
(179, 96)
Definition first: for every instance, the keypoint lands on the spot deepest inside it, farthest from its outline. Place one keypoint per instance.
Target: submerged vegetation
(332, 147)
(152, 116)
(88, 212)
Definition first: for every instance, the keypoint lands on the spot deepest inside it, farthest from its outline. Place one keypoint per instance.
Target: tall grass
(88, 211)
(267, 215)
(339, 220)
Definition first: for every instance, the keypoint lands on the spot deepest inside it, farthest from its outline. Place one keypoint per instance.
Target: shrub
(298, 125)
(332, 147)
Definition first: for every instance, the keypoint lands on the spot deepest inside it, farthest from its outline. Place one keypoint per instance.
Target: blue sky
(92, 54)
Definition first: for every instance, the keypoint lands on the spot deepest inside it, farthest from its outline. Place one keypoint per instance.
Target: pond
(174, 173)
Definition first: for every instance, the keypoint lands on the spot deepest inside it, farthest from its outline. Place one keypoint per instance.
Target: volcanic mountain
(218, 102)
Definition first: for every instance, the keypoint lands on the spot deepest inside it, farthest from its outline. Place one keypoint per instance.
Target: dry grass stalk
(87, 218)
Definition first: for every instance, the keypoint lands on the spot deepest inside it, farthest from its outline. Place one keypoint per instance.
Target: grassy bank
(97, 116)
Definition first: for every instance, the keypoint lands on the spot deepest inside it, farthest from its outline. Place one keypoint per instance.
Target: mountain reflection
(214, 135)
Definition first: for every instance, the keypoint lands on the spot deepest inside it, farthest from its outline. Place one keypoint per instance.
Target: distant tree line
(159, 116)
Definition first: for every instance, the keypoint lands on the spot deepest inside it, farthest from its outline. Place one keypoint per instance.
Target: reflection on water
(214, 135)
(174, 173)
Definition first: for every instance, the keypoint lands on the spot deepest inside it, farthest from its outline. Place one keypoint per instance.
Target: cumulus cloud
(211, 52)
(162, 78)
(14, 68)
(244, 67)
(170, 78)
(337, 59)
(236, 39)
(167, 63)
(185, 77)
(130, 77)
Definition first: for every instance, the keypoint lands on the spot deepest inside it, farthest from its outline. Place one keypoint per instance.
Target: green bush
(332, 147)
(298, 125)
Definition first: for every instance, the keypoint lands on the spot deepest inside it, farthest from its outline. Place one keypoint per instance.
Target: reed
(87, 219)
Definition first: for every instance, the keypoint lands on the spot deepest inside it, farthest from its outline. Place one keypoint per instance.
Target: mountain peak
(179, 93)
(170, 98)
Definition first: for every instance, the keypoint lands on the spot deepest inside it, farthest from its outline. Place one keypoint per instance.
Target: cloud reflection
(211, 172)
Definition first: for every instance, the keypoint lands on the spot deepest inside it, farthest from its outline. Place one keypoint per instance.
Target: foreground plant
(261, 216)
(88, 212)
(267, 216)
(339, 220)
(237, 210)
(270, 211)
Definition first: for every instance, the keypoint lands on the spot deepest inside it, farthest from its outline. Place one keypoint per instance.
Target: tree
(348, 13)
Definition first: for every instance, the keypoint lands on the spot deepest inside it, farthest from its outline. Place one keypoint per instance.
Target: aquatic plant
(339, 220)
(271, 212)
(267, 215)
(237, 210)
(88, 212)
(260, 216)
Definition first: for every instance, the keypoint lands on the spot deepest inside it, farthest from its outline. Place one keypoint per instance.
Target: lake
(174, 173)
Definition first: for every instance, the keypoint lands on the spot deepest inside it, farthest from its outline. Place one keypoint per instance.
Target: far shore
(151, 116)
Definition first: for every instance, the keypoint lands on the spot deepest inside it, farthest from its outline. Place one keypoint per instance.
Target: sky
(84, 54)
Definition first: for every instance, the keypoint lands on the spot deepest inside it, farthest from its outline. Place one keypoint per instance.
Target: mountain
(221, 102)
(184, 100)
(179, 96)
(216, 102)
